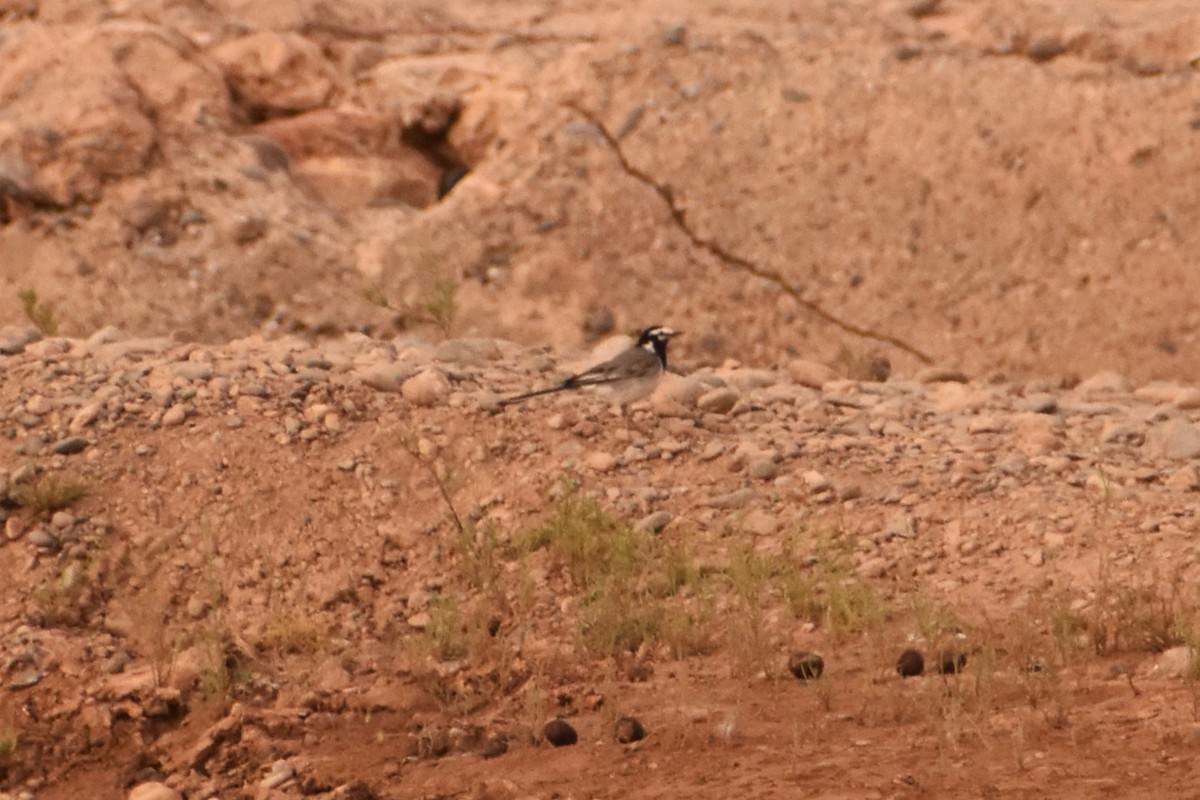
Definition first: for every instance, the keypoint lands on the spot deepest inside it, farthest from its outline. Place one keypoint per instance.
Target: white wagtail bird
(630, 375)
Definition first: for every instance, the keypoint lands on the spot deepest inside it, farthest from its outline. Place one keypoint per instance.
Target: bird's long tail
(518, 398)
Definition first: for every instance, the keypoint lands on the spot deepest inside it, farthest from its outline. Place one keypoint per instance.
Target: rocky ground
(264, 590)
(265, 269)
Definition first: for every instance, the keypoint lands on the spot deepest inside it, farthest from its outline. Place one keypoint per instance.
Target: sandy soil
(933, 265)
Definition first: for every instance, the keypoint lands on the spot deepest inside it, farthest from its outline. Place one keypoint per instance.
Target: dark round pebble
(559, 733)
(805, 665)
(911, 663)
(630, 729)
(951, 662)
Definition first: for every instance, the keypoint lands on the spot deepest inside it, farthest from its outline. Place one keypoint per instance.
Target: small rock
(249, 228)
(15, 338)
(1177, 439)
(1045, 49)
(192, 370)
(38, 405)
(910, 664)
(388, 377)
(733, 500)
(923, 8)
(674, 35)
(175, 415)
(941, 375)
(1174, 663)
(718, 401)
(654, 523)
(762, 469)
(426, 388)
(281, 772)
(70, 446)
(1184, 479)
(805, 665)
(600, 461)
(559, 733)
(810, 373)
(1038, 403)
(985, 424)
(23, 679)
(598, 323)
(1104, 383)
(875, 567)
(86, 416)
(45, 539)
(494, 746)
(630, 729)
(153, 791)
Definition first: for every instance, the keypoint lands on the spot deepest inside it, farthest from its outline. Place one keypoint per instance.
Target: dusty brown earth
(936, 391)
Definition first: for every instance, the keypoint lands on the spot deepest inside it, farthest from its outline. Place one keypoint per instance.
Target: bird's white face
(656, 335)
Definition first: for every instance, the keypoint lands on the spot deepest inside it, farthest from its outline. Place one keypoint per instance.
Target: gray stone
(70, 446)
(718, 401)
(762, 469)
(736, 499)
(281, 772)
(1177, 439)
(654, 522)
(192, 370)
(24, 678)
(15, 338)
(810, 373)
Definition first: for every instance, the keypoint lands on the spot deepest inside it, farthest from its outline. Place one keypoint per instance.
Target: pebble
(718, 401)
(44, 538)
(655, 522)
(175, 415)
(629, 730)
(153, 791)
(910, 664)
(24, 678)
(559, 733)
(1177, 439)
(69, 446)
(762, 469)
(600, 461)
(426, 388)
(192, 370)
(810, 373)
(733, 500)
(281, 772)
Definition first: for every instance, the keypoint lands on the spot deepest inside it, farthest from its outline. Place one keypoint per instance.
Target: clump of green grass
(824, 590)
(48, 494)
(39, 313)
(626, 579)
(436, 301)
(445, 631)
(594, 546)
(59, 600)
(291, 634)
(9, 741)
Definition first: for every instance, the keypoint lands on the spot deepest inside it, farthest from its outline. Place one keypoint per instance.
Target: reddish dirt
(997, 187)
